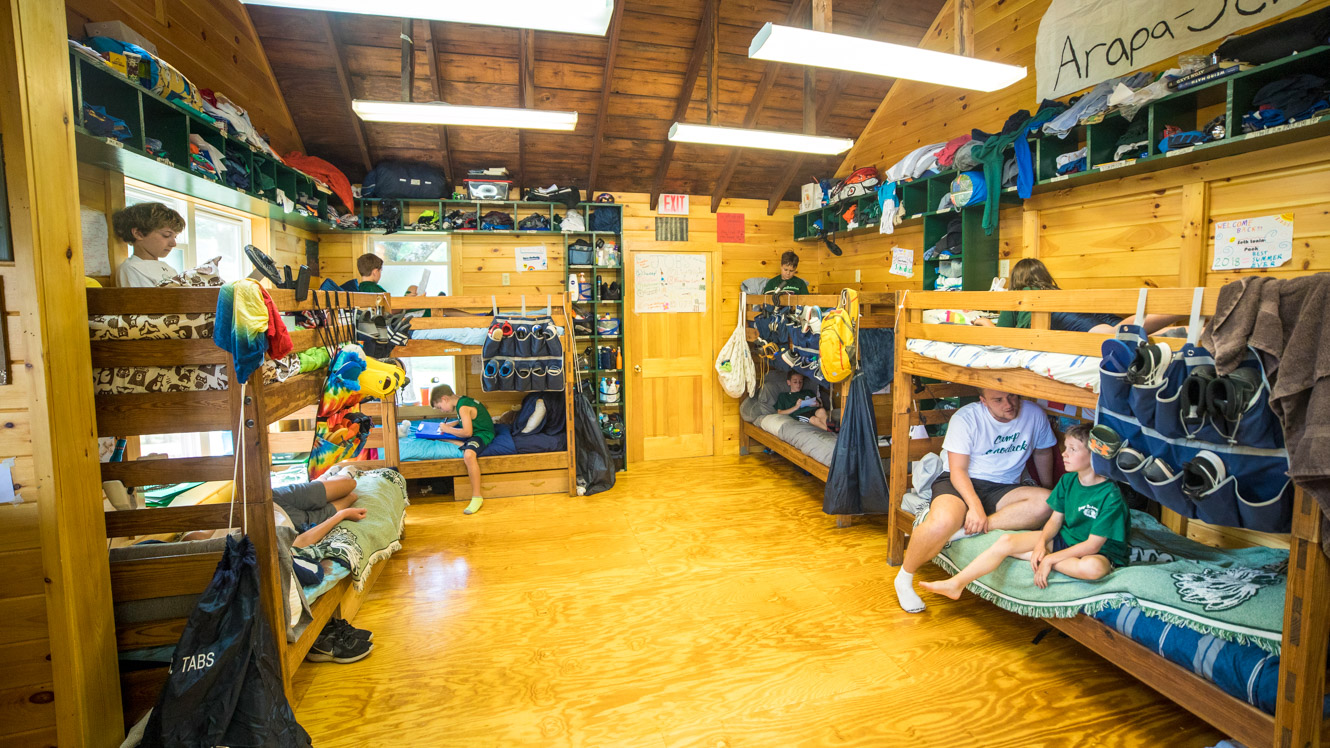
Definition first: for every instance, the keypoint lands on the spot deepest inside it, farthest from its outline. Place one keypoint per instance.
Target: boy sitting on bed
(801, 404)
(474, 426)
(1085, 538)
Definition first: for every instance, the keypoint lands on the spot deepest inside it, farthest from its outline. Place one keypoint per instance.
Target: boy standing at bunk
(151, 228)
(1085, 538)
(787, 281)
(370, 269)
(474, 426)
(801, 404)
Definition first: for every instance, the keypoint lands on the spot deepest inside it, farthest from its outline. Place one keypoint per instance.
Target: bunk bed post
(1299, 710)
(901, 397)
(388, 419)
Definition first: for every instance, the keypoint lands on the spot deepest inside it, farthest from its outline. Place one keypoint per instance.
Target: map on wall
(669, 282)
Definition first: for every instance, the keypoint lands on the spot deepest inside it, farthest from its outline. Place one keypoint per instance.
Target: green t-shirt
(1093, 510)
(778, 284)
(370, 287)
(790, 399)
(1015, 319)
(482, 427)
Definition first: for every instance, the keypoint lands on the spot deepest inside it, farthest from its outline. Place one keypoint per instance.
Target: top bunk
(459, 325)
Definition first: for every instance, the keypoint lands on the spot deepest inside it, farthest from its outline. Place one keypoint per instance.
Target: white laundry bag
(735, 362)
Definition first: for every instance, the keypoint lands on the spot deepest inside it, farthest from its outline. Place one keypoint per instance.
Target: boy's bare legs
(819, 419)
(473, 472)
(1018, 544)
(1086, 567)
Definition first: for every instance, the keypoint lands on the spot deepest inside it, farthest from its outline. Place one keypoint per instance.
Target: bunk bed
(207, 400)
(807, 450)
(451, 329)
(944, 352)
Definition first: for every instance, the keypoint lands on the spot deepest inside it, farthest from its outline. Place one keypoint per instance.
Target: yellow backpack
(836, 347)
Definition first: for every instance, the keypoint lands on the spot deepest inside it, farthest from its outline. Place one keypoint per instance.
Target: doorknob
(637, 368)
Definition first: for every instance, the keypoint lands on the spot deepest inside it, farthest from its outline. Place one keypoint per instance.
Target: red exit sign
(673, 205)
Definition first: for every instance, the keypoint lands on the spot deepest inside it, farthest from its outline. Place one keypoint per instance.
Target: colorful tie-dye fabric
(242, 324)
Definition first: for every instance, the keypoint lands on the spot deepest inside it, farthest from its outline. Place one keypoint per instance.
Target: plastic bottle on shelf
(618, 358)
(583, 287)
(573, 292)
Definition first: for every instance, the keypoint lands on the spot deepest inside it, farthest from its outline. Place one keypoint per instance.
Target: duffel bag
(406, 180)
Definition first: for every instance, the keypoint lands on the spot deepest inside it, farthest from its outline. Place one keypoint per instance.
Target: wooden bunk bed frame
(475, 311)
(1298, 720)
(263, 405)
(876, 310)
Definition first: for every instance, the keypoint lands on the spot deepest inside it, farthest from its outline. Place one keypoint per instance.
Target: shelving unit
(149, 115)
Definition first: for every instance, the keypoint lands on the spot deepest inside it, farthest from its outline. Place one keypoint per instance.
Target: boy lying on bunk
(1032, 275)
(1085, 538)
(316, 507)
(474, 425)
(801, 404)
(987, 446)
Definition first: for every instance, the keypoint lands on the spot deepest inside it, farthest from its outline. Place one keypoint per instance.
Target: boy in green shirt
(801, 404)
(787, 281)
(370, 269)
(1086, 537)
(474, 426)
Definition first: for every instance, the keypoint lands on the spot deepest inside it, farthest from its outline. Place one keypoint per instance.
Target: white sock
(905, 594)
(961, 533)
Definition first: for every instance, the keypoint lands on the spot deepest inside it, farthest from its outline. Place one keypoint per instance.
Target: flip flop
(264, 264)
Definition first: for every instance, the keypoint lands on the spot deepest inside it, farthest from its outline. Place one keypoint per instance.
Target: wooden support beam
(838, 83)
(408, 58)
(1298, 716)
(755, 104)
(1195, 234)
(821, 22)
(963, 38)
(37, 119)
(436, 86)
(713, 72)
(606, 86)
(344, 83)
(701, 44)
(526, 90)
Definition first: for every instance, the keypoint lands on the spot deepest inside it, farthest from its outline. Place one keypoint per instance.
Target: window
(210, 231)
(406, 259)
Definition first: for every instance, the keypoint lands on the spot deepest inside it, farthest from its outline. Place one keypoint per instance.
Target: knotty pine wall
(1152, 230)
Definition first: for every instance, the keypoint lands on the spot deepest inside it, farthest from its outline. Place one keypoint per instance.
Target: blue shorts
(1076, 322)
(1061, 545)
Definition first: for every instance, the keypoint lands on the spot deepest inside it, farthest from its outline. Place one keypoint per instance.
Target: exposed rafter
(344, 82)
(963, 40)
(606, 84)
(526, 88)
(755, 104)
(701, 45)
(436, 89)
(408, 58)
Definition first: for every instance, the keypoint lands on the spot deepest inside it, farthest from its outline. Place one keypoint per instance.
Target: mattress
(1078, 371)
(132, 380)
(411, 449)
(460, 335)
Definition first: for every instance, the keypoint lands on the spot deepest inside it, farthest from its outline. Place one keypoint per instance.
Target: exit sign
(673, 205)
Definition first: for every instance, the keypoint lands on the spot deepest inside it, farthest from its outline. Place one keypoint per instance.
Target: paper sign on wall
(96, 250)
(669, 282)
(1262, 242)
(902, 262)
(730, 228)
(531, 258)
(672, 205)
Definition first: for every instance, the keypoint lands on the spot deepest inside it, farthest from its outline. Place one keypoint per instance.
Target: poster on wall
(531, 258)
(730, 228)
(1261, 242)
(1084, 42)
(902, 262)
(669, 282)
(96, 246)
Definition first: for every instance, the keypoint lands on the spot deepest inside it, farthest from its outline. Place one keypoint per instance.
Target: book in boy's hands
(433, 430)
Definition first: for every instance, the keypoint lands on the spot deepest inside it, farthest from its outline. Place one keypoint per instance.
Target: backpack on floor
(836, 344)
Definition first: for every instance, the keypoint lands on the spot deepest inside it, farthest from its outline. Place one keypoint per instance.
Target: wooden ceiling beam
(408, 58)
(526, 91)
(344, 83)
(755, 104)
(606, 84)
(701, 45)
(436, 86)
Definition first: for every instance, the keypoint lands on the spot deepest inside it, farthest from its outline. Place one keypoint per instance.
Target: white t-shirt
(137, 273)
(998, 451)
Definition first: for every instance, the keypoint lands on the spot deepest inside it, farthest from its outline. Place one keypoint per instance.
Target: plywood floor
(704, 602)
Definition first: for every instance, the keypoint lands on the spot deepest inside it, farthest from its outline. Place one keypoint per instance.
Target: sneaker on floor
(333, 646)
(346, 629)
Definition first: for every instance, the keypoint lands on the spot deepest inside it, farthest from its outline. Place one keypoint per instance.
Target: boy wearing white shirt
(987, 446)
(151, 228)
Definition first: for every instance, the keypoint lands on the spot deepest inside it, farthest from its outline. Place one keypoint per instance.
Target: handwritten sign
(902, 262)
(531, 258)
(669, 282)
(1263, 242)
(730, 228)
(1084, 42)
(672, 205)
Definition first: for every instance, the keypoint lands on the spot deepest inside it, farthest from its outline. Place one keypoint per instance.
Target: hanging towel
(241, 325)
(279, 340)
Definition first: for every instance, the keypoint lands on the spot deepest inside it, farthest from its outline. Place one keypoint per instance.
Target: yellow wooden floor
(703, 602)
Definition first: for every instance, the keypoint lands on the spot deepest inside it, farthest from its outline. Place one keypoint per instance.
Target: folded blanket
(360, 545)
(1079, 371)
(1231, 594)
(461, 335)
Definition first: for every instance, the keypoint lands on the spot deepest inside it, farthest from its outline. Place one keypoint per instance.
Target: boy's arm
(1048, 532)
(1043, 462)
(321, 530)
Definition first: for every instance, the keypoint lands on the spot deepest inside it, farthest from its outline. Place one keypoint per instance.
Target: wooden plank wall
(213, 44)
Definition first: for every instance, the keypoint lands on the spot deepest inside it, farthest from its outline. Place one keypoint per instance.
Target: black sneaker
(333, 646)
(344, 626)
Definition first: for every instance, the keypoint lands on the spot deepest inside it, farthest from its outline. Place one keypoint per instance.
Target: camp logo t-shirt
(997, 450)
(1093, 510)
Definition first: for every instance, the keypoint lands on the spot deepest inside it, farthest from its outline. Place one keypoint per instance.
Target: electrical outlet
(857, 272)
(1004, 268)
(507, 280)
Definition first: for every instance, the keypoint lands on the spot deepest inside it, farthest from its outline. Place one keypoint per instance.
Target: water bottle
(573, 292)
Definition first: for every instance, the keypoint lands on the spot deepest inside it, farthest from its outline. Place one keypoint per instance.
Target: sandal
(264, 264)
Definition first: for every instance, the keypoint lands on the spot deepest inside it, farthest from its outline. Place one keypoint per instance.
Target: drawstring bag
(734, 364)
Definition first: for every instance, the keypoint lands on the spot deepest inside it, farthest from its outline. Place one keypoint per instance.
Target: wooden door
(672, 382)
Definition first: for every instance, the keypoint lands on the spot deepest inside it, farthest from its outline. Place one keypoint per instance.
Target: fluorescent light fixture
(567, 16)
(820, 49)
(775, 141)
(418, 113)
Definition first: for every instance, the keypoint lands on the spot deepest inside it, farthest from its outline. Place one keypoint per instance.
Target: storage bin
(487, 189)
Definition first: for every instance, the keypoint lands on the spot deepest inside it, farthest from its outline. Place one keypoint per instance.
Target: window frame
(187, 242)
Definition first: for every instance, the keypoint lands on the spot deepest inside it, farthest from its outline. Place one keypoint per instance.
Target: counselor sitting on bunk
(987, 446)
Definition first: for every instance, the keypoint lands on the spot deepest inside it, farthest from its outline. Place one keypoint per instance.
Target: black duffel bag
(405, 180)
(569, 196)
(1297, 34)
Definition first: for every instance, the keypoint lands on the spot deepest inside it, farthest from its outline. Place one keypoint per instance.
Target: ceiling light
(820, 49)
(567, 16)
(776, 141)
(417, 113)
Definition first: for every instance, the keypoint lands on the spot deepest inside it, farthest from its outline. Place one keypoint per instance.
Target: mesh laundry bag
(735, 362)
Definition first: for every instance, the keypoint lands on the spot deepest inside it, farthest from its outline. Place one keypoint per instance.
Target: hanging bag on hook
(734, 363)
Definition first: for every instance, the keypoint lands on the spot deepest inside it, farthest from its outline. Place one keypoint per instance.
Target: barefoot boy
(474, 426)
(801, 404)
(1085, 538)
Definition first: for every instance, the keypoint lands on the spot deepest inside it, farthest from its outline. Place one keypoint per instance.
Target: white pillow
(537, 418)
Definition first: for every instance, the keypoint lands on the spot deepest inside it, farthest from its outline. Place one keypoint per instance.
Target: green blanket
(1235, 595)
(360, 545)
